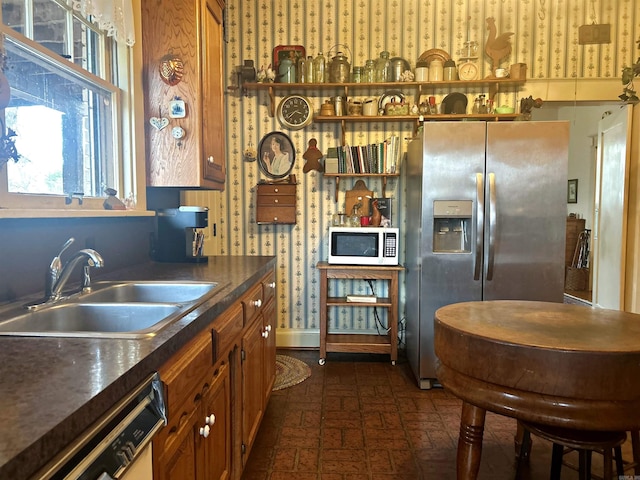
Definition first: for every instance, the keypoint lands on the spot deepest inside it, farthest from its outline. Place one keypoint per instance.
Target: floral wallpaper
(545, 38)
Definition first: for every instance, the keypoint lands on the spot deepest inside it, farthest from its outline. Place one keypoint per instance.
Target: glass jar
(309, 69)
(301, 72)
(382, 67)
(319, 64)
(340, 70)
(368, 74)
(356, 75)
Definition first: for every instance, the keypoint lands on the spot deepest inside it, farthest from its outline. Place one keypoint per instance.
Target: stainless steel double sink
(109, 310)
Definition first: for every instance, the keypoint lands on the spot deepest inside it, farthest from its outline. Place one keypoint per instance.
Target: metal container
(339, 105)
(398, 66)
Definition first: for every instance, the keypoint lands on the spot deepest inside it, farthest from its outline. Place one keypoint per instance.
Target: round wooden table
(548, 363)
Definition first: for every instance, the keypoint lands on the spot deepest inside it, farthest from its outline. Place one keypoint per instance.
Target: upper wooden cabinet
(189, 34)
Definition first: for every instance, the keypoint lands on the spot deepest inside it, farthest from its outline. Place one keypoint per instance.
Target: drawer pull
(210, 420)
(210, 159)
(276, 190)
(275, 219)
(275, 200)
(257, 303)
(204, 431)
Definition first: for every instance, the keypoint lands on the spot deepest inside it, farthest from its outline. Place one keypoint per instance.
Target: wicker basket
(576, 279)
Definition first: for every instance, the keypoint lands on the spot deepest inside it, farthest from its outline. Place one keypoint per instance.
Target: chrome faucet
(93, 259)
(58, 275)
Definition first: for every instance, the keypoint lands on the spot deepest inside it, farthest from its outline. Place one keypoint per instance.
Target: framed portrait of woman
(276, 155)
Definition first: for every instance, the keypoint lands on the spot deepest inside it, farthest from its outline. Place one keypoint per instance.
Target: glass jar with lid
(340, 70)
(356, 75)
(368, 73)
(382, 67)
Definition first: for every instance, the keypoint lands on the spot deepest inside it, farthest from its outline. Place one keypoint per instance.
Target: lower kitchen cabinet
(216, 389)
(258, 356)
(197, 441)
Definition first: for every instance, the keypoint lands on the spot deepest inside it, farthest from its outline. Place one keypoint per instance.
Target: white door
(610, 210)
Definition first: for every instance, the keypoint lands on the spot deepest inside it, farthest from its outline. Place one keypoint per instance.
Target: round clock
(468, 71)
(295, 112)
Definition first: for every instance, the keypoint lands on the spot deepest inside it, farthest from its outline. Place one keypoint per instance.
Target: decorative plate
(455, 102)
(395, 96)
(433, 54)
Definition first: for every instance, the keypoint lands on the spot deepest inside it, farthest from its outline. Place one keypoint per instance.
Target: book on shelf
(377, 158)
(362, 298)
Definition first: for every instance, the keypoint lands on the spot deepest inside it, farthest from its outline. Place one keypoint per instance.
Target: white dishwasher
(118, 446)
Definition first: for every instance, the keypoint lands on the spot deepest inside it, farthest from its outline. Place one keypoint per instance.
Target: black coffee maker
(180, 234)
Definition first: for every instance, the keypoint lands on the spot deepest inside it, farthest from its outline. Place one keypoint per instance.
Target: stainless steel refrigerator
(486, 216)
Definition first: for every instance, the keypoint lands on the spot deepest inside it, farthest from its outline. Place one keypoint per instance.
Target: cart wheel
(321, 361)
(393, 362)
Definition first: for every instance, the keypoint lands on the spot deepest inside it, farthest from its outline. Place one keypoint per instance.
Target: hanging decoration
(113, 16)
(7, 145)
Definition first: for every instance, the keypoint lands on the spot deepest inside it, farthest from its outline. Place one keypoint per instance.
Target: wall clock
(295, 112)
(468, 71)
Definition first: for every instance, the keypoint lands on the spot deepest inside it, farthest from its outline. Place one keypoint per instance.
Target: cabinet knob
(265, 334)
(210, 420)
(275, 219)
(276, 190)
(268, 328)
(271, 285)
(257, 303)
(204, 431)
(210, 159)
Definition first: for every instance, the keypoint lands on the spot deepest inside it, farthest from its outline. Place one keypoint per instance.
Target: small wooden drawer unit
(276, 203)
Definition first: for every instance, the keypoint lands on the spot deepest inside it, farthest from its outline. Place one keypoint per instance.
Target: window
(65, 107)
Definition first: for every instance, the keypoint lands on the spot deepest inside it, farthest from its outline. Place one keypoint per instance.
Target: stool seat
(578, 439)
(584, 441)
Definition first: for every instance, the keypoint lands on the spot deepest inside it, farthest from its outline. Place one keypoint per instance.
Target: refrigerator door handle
(492, 225)
(479, 225)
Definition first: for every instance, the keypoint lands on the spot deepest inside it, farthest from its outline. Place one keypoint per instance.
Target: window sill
(75, 213)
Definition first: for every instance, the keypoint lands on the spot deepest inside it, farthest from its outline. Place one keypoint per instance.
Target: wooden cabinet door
(212, 93)
(177, 460)
(252, 385)
(269, 326)
(216, 406)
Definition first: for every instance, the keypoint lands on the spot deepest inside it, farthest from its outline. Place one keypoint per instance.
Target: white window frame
(129, 142)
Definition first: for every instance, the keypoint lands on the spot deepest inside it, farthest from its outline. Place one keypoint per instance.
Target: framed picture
(276, 155)
(177, 108)
(572, 191)
(293, 52)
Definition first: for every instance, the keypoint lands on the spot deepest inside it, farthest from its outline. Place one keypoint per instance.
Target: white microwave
(363, 245)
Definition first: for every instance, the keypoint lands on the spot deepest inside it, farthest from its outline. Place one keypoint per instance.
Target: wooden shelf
(342, 302)
(384, 177)
(358, 343)
(419, 88)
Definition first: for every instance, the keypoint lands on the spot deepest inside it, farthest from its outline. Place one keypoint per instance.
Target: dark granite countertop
(51, 389)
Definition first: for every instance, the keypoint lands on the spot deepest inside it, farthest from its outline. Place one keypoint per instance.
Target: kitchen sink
(152, 292)
(109, 310)
(93, 320)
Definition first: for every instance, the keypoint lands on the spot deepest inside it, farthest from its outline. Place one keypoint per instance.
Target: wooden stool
(585, 442)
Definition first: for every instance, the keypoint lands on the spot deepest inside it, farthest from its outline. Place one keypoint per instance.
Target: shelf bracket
(337, 187)
(272, 102)
(384, 186)
(494, 88)
(343, 126)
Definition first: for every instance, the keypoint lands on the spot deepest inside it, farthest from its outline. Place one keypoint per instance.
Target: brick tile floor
(360, 418)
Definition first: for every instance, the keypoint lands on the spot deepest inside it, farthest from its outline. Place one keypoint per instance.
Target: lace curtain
(113, 16)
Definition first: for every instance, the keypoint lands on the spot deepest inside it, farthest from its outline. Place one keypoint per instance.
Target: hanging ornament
(171, 69)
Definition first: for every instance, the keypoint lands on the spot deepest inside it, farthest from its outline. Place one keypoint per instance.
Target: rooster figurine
(497, 46)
